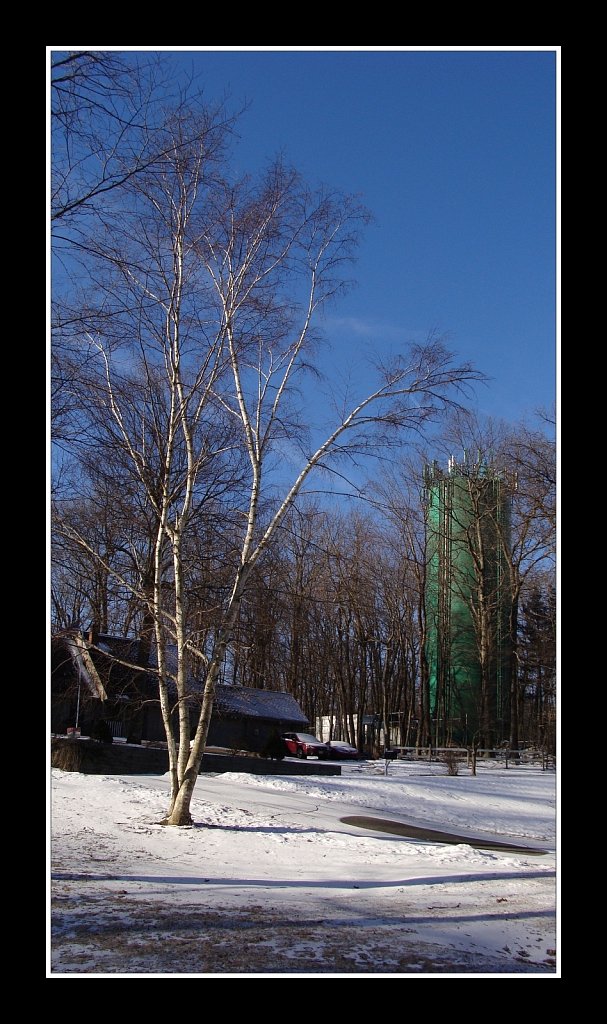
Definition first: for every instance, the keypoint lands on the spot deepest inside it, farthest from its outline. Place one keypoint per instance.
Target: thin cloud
(370, 328)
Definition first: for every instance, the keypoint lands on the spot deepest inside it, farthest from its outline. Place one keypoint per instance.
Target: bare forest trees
(537, 646)
(398, 498)
(331, 616)
(374, 633)
(188, 302)
(531, 451)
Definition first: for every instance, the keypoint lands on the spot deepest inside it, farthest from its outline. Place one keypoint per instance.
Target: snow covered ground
(271, 882)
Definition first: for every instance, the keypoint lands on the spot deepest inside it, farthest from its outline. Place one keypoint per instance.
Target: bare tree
(531, 451)
(537, 664)
(108, 130)
(428, 377)
(397, 497)
(204, 294)
(108, 111)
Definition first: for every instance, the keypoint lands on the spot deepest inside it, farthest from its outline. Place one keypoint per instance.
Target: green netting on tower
(468, 602)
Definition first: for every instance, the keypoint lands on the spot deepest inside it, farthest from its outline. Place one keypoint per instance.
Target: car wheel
(301, 754)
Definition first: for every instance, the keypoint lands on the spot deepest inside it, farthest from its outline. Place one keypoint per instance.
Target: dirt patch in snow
(97, 935)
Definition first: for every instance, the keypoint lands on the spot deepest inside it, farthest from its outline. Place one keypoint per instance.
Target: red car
(340, 751)
(303, 744)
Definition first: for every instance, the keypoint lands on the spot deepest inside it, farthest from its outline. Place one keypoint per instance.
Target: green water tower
(470, 615)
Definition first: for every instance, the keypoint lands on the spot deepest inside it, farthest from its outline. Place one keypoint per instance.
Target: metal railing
(502, 754)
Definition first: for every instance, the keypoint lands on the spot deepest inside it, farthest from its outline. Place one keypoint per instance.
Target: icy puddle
(397, 828)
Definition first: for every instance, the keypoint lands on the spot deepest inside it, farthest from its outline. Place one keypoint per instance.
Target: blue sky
(454, 154)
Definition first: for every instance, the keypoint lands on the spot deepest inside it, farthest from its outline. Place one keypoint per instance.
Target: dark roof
(268, 704)
(119, 646)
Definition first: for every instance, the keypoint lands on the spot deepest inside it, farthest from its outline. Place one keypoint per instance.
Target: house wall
(246, 733)
(99, 759)
(224, 731)
(67, 711)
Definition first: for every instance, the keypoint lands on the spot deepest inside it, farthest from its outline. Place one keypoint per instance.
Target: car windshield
(305, 737)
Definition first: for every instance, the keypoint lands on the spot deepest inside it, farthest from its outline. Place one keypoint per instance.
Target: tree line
(335, 614)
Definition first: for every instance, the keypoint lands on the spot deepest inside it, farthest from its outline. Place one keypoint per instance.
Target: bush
(450, 759)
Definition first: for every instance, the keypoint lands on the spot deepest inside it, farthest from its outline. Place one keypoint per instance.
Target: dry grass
(66, 755)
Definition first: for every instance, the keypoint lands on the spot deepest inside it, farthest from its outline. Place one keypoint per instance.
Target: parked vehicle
(303, 744)
(339, 751)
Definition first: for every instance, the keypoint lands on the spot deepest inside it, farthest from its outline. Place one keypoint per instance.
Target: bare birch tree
(205, 294)
(428, 376)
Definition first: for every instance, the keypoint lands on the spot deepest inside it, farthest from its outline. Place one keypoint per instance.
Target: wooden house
(105, 685)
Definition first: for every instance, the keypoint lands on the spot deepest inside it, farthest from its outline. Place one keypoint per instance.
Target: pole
(78, 703)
